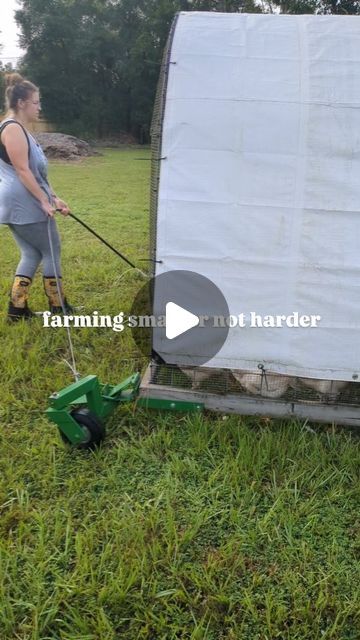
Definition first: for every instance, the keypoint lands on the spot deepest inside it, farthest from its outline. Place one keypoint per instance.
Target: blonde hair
(17, 88)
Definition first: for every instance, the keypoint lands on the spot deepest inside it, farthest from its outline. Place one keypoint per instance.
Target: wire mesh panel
(156, 140)
(261, 385)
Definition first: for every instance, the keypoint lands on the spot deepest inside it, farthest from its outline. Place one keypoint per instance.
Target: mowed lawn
(196, 527)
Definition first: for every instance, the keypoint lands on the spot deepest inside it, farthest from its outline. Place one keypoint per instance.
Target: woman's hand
(47, 208)
(60, 204)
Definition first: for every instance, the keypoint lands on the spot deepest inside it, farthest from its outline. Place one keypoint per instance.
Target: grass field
(207, 527)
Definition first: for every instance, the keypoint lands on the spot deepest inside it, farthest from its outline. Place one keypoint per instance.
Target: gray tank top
(17, 204)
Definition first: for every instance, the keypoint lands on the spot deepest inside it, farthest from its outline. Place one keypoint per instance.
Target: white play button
(178, 320)
(191, 305)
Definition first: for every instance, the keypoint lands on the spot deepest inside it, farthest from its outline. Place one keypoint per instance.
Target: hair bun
(11, 79)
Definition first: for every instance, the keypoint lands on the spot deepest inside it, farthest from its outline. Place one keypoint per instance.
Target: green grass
(202, 527)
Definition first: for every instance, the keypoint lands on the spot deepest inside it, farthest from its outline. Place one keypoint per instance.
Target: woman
(27, 201)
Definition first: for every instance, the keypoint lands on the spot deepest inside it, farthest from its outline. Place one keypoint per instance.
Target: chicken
(332, 387)
(197, 375)
(269, 385)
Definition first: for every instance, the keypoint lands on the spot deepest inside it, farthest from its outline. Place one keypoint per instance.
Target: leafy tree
(4, 68)
(321, 7)
(88, 58)
(342, 7)
(97, 61)
(64, 43)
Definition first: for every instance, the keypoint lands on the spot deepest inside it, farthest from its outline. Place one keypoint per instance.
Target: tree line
(97, 62)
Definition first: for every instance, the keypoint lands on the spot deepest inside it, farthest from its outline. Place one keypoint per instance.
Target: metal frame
(246, 405)
(156, 131)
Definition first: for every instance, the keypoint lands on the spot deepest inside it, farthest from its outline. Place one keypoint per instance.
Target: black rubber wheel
(91, 425)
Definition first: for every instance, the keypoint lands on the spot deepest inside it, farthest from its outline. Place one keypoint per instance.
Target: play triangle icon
(178, 320)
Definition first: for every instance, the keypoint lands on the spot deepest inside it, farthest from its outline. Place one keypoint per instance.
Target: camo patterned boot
(18, 308)
(51, 291)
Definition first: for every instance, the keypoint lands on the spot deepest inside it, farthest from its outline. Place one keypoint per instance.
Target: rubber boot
(51, 291)
(18, 307)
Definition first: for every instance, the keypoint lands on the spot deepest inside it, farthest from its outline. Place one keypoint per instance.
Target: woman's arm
(58, 203)
(14, 139)
(52, 190)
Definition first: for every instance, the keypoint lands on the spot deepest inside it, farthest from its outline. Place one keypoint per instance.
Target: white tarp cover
(260, 188)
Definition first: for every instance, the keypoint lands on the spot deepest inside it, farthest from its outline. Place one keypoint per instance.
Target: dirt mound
(64, 147)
